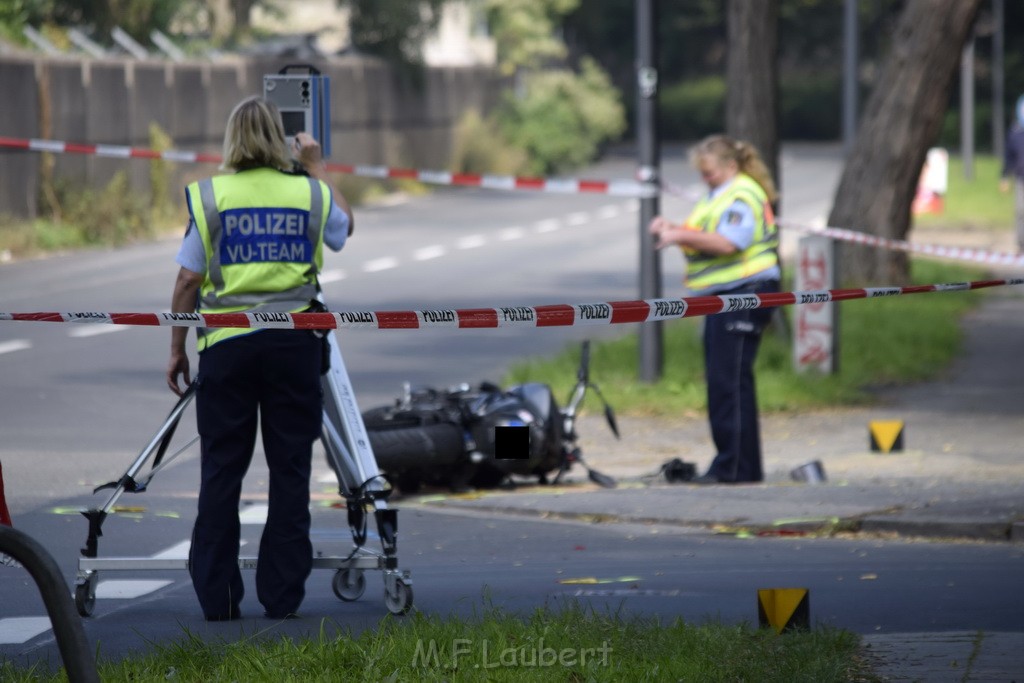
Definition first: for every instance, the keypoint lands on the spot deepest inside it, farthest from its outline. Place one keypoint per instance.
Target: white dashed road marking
(471, 242)
(431, 252)
(578, 218)
(329, 276)
(380, 264)
(253, 514)
(546, 225)
(511, 234)
(94, 330)
(15, 345)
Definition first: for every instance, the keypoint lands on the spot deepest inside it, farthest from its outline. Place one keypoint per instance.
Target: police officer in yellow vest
(730, 243)
(255, 243)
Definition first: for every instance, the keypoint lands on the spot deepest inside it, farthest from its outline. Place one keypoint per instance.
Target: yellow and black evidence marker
(784, 609)
(886, 435)
(512, 442)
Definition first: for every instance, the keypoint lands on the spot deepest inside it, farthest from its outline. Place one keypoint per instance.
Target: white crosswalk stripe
(126, 589)
(17, 630)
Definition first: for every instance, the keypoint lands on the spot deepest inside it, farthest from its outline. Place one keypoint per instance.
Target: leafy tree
(524, 31)
(564, 117)
(751, 104)
(558, 116)
(393, 29)
(137, 17)
(901, 120)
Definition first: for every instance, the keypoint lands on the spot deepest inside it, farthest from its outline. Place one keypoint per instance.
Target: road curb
(975, 529)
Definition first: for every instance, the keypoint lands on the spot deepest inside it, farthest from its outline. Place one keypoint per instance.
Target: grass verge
(882, 342)
(976, 203)
(573, 644)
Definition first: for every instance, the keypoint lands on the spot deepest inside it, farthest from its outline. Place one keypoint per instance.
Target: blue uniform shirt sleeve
(191, 254)
(737, 225)
(336, 229)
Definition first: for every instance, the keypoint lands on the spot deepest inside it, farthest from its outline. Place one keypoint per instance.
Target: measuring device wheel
(399, 599)
(85, 598)
(349, 584)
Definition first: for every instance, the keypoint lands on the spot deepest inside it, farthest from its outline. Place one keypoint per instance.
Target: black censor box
(512, 443)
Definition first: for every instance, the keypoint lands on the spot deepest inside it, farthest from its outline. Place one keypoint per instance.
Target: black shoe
(706, 479)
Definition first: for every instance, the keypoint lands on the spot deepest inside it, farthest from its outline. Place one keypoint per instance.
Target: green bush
(562, 118)
(692, 109)
(478, 147)
(950, 138)
(114, 215)
(160, 176)
(809, 108)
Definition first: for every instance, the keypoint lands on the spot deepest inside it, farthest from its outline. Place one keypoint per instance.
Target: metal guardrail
(67, 625)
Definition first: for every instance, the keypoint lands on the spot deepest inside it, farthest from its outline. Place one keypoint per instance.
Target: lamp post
(648, 171)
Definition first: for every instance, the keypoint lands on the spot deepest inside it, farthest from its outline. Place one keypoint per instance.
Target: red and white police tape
(555, 315)
(621, 188)
(992, 258)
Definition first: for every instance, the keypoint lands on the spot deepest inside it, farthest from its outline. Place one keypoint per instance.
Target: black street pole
(648, 171)
(850, 80)
(998, 90)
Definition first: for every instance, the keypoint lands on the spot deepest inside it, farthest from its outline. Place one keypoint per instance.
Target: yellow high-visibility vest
(263, 233)
(708, 270)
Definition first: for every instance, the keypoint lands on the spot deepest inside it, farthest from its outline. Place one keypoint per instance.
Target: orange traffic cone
(5, 516)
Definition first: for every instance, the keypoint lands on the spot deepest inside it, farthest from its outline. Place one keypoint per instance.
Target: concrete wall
(377, 117)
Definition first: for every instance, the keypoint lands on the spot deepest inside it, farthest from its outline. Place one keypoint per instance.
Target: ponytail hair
(744, 154)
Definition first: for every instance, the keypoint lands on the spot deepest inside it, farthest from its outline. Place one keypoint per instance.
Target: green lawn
(571, 644)
(976, 203)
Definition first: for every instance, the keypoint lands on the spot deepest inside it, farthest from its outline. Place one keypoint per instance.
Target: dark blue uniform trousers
(731, 341)
(272, 376)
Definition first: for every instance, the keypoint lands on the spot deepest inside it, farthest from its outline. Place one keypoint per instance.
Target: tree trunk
(751, 102)
(241, 13)
(902, 118)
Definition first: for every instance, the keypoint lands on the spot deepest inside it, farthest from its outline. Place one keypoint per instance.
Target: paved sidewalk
(948, 657)
(960, 476)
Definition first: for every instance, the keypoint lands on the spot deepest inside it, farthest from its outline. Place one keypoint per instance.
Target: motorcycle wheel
(412, 455)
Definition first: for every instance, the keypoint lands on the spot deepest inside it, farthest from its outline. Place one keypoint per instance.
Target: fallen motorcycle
(446, 438)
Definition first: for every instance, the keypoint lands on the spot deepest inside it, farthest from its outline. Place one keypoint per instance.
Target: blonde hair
(254, 137)
(744, 154)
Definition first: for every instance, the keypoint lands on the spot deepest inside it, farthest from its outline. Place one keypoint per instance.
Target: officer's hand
(658, 225)
(307, 150)
(178, 366)
(1004, 185)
